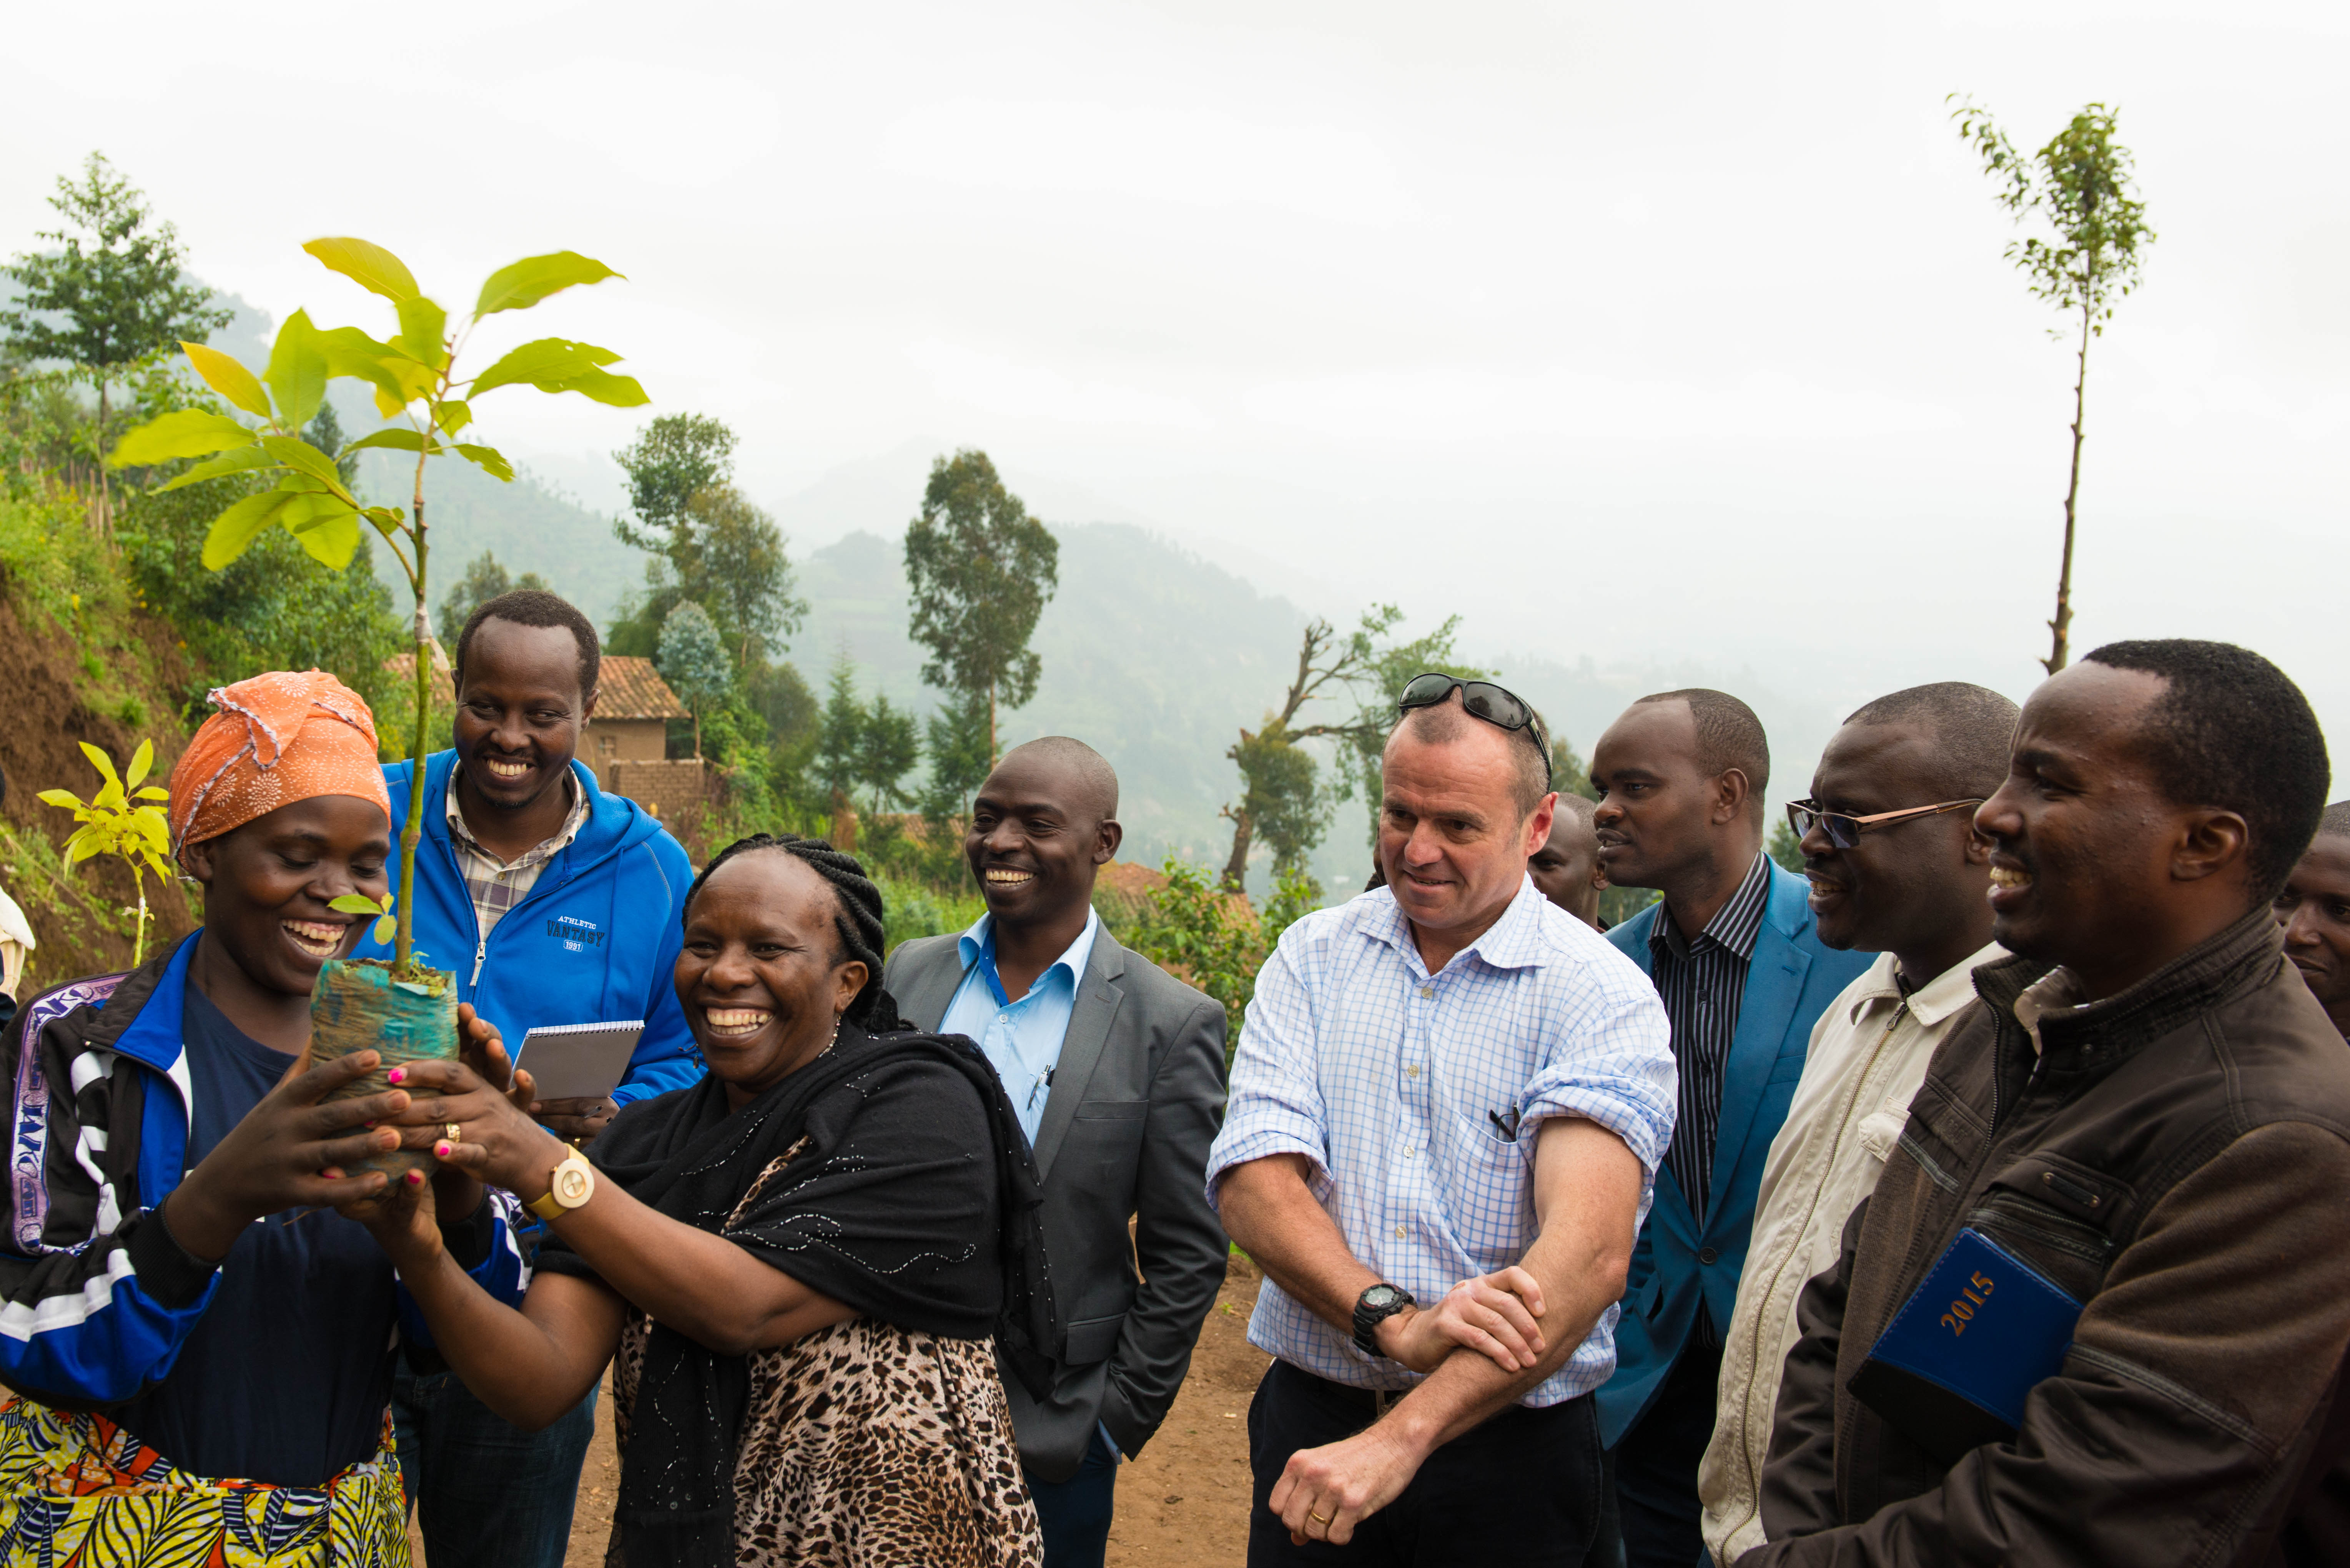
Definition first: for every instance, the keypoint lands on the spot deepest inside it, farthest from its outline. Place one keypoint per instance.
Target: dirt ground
(1183, 1504)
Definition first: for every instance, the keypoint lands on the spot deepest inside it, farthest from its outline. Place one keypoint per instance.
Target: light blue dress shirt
(1022, 1039)
(1417, 1098)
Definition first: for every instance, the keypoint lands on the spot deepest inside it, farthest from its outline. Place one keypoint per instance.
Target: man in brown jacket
(2148, 1110)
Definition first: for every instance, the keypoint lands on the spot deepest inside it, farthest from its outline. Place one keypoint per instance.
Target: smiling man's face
(1037, 836)
(1894, 890)
(519, 712)
(2315, 910)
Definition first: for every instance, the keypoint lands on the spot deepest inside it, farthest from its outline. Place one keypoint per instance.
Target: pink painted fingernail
(442, 1148)
(415, 1179)
(400, 1074)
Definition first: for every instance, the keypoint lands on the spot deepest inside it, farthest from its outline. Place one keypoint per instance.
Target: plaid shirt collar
(540, 854)
(496, 886)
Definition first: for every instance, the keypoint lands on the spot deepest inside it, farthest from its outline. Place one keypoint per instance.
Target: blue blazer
(1676, 1262)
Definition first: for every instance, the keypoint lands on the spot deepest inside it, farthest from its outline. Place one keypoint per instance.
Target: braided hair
(856, 920)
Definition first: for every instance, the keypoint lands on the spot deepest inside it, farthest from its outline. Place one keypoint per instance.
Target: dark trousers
(487, 1494)
(1656, 1465)
(1523, 1489)
(1076, 1513)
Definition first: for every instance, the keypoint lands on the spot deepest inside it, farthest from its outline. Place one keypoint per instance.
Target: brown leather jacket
(2179, 1161)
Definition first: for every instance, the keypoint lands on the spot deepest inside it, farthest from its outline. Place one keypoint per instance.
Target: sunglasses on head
(1843, 829)
(1497, 705)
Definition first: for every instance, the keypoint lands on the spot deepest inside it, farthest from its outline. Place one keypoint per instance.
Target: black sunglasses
(1844, 830)
(1497, 705)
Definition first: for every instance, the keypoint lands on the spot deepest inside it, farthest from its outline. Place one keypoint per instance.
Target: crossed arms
(1485, 1345)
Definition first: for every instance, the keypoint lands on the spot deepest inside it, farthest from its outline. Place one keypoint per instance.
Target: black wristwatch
(1373, 1307)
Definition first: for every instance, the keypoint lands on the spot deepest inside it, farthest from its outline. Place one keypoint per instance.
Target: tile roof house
(633, 708)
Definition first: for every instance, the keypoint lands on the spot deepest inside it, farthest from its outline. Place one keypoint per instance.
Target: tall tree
(109, 296)
(693, 661)
(485, 579)
(1282, 796)
(672, 459)
(740, 571)
(979, 570)
(2082, 185)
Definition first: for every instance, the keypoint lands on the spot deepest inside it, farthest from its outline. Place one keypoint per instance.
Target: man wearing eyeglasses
(1445, 1118)
(1896, 869)
(1738, 960)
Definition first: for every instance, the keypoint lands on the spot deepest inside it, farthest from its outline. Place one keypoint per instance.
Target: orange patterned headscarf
(277, 738)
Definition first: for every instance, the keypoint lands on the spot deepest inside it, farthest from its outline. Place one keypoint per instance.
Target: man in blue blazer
(1731, 949)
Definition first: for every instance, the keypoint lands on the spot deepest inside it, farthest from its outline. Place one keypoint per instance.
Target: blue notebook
(1952, 1369)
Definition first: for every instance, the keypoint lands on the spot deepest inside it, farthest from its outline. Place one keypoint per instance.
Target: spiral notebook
(578, 1061)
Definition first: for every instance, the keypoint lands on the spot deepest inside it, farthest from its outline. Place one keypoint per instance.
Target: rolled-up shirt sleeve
(1274, 1104)
(1615, 1067)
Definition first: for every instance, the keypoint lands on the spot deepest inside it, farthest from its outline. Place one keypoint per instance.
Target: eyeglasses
(1844, 830)
(1497, 705)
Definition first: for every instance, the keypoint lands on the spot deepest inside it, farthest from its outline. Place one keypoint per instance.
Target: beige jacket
(1867, 1055)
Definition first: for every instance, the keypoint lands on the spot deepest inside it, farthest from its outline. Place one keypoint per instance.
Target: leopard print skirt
(865, 1445)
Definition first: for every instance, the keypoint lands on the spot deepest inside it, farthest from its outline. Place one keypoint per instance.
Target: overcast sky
(1630, 332)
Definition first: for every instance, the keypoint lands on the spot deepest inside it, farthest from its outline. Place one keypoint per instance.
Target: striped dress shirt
(1417, 1099)
(1702, 983)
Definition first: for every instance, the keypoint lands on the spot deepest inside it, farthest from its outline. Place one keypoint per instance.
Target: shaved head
(2336, 822)
(1086, 772)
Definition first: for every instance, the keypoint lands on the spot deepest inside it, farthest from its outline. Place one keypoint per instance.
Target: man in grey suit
(1117, 1070)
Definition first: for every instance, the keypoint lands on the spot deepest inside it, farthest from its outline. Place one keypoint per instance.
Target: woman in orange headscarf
(196, 1348)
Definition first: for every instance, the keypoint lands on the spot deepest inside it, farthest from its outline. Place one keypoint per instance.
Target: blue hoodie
(594, 941)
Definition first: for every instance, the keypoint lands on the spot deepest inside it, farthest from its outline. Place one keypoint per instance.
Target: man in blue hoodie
(554, 903)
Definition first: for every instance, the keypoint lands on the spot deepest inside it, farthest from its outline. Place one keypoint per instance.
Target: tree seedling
(121, 820)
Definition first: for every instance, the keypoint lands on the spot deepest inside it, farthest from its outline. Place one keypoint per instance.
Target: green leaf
(229, 378)
(152, 791)
(388, 520)
(239, 461)
(421, 325)
(452, 415)
(190, 432)
(603, 387)
(64, 800)
(533, 279)
(355, 904)
(81, 849)
(370, 267)
(298, 370)
(304, 458)
(546, 363)
(385, 928)
(102, 763)
(234, 530)
(396, 438)
(487, 460)
(140, 761)
(327, 529)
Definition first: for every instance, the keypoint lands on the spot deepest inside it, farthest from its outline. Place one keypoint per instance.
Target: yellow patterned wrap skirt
(78, 1491)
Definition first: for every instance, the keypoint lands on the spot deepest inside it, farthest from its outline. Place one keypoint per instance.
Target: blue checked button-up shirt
(1021, 1039)
(1390, 1080)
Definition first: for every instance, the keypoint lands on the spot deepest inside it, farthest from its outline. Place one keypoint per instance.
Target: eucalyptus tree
(979, 570)
(2082, 186)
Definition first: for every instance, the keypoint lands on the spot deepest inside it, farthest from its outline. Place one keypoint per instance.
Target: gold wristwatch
(574, 1184)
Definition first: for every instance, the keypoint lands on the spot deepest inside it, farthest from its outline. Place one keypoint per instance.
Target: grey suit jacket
(1136, 1098)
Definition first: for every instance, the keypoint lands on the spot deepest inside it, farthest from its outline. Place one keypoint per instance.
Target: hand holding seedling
(282, 1154)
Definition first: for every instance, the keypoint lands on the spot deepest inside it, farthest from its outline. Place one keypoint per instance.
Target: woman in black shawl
(803, 1264)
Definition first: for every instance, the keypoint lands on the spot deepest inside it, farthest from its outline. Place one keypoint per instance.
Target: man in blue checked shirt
(1446, 1115)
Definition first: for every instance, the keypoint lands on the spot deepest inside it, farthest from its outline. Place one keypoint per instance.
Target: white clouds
(1193, 157)
(1470, 407)
(1002, 386)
